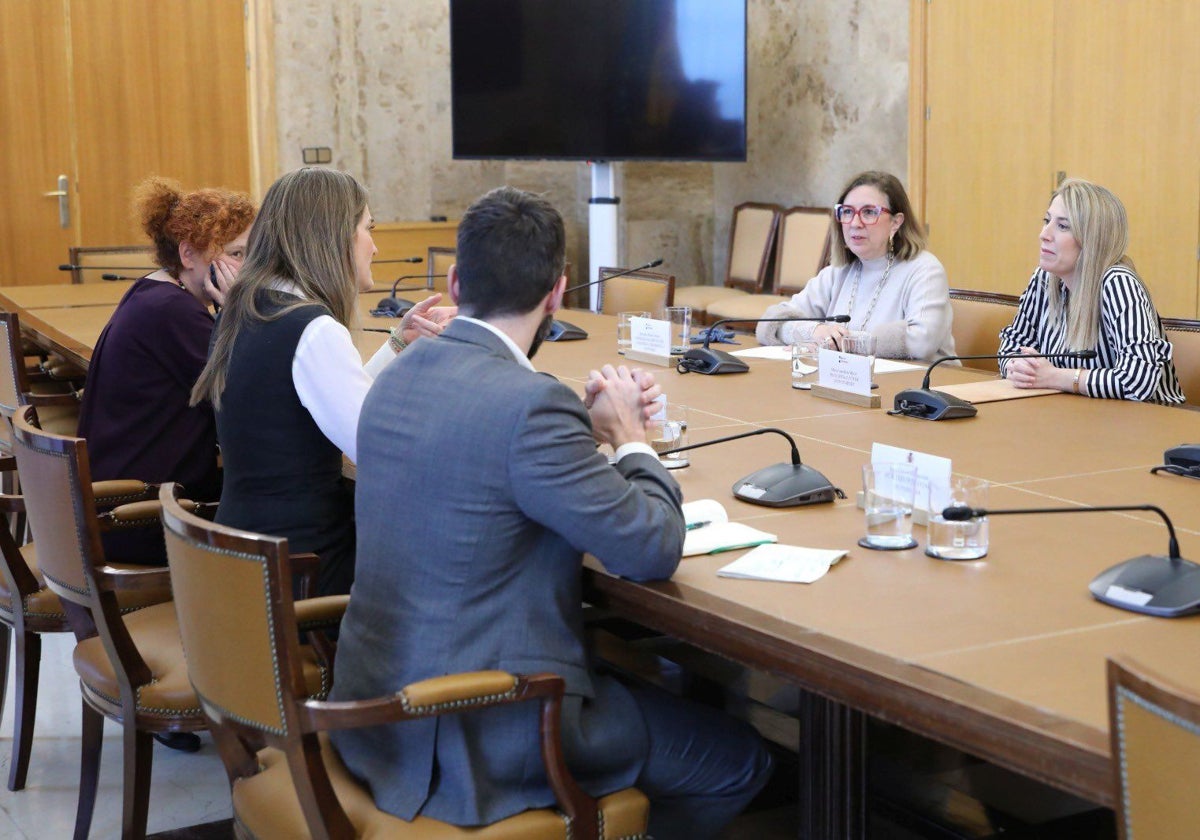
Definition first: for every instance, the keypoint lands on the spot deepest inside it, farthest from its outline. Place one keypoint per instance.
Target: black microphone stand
(708, 361)
(925, 403)
(1167, 587)
(565, 331)
(779, 485)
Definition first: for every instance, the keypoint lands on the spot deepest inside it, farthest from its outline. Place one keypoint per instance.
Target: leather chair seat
(699, 298)
(265, 806)
(170, 693)
(45, 604)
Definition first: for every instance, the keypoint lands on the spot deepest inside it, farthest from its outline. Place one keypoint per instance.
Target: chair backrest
(1184, 335)
(233, 617)
(13, 377)
(133, 260)
(978, 319)
(803, 247)
(56, 482)
(438, 262)
(639, 291)
(751, 239)
(1154, 726)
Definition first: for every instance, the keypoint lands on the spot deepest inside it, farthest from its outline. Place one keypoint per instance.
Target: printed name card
(844, 371)
(650, 336)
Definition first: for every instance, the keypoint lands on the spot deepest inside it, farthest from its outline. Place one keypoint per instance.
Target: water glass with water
(966, 540)
(888, 492)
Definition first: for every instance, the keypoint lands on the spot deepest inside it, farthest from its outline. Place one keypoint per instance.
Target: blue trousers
(703, 767)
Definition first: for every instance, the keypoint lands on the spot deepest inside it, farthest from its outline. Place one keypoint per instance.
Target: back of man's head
(511, 251)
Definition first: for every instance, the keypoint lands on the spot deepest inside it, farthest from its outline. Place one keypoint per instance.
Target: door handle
(64, 201)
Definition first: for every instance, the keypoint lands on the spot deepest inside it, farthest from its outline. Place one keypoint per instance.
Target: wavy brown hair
(909, 239)
(206, 219)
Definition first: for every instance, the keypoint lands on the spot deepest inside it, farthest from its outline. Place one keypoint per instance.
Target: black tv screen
(599, 79)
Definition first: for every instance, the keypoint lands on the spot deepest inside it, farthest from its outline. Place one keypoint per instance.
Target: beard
(540, 336)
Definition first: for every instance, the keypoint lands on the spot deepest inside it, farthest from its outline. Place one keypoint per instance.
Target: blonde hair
(205, 219)
(908, 241)
(304, 235)
(1100, 226)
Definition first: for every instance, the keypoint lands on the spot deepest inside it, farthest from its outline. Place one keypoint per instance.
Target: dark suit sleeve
(628, 517)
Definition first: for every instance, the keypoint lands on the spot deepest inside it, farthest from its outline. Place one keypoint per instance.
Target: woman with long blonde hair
(284, 376)
(1087, 295)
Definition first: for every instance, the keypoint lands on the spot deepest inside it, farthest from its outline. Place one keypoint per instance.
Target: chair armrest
(8, 463)
(118, 491)
(462, 692)
(306, 567)
(132, 515)
(11, 504)
(326, 611)
(47, 400)
(129, 578)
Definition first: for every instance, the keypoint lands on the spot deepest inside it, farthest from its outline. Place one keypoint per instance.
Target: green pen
(694, 525)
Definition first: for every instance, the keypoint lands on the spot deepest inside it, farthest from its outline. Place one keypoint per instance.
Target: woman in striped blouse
(1086, 295)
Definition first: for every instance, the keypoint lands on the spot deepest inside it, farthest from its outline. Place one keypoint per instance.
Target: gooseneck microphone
(118, 277)
(564, 331)
(1151, 584)
(394, 307)
(72, 267)
(399, 260)
(779, 485)
(708, 361)
(927, 404)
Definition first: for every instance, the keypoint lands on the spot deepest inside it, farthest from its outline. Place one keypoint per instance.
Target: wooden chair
(640, 291)
(978, 319)
(233, 595)
(803, 247)
(92, 262)
(1184, 335)
(57, 402)
(802, 251)
(130, 668)
(751, 240)
(438, 262)
(1154, 725)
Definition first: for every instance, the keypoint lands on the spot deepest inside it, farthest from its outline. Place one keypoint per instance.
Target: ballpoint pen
(692, 526)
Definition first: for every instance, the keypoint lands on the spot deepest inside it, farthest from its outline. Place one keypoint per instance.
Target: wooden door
(987, 138)
(160, 89)
(108, 94)
(1127, 115)
(34, 115)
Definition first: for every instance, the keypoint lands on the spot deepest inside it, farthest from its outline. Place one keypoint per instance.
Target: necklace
(874, 297)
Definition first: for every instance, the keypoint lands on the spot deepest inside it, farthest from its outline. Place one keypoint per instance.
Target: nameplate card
(844, 371)
(649, 341)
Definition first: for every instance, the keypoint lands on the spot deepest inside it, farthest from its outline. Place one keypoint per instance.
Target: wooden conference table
(1002, 657)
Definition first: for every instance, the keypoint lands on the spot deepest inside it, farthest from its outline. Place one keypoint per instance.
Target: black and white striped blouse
(1133, 356)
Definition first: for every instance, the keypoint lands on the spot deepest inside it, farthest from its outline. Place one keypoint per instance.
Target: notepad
(711, 532)
(784, 563)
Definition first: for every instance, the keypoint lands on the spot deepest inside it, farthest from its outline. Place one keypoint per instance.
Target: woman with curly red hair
(135, 413)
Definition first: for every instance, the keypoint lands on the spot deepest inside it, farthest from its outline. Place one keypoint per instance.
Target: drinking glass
(672, 431)
(681, 328)
(624, 337)
(967, 540)
(888, 501)
(805, 358)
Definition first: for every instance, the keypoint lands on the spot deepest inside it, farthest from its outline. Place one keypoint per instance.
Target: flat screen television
(599, 79)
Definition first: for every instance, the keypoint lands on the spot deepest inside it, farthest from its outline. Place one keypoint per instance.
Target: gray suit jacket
(479, 489)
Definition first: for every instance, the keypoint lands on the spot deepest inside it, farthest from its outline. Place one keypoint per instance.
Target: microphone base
(391, 307)
(1152, 585)
(927, 404)
(785, 485)
(563, 331)
(709, 361)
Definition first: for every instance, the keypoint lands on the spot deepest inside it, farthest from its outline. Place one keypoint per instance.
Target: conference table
(1002, 657)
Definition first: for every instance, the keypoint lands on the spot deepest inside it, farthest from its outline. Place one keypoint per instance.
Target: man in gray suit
(479, 489)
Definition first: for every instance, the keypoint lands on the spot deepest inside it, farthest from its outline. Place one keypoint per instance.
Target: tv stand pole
(603, 238)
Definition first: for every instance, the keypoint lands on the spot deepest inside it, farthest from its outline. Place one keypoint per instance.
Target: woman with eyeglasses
(879, 274)
(1086, 295)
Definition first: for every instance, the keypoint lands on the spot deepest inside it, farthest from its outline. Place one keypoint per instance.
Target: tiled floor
(186, 789)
